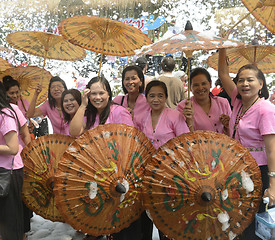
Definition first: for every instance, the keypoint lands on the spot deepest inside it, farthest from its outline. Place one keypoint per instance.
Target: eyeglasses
(59, 87)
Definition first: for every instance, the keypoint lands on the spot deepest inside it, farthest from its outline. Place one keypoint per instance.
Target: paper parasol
(99, 177)
(103, 35)
(28, 78)
(4, 65)
(261, 56)
(202, 185)
(46, 45)
(40, 159)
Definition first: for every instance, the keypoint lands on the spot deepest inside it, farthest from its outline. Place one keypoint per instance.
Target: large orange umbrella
(264, 11)
(202, 185)
(4, 65)
(41, 157)
(103, 35)
(46, 45)
(188, 41)
(98, 182)
(261, 56)
(28, 77)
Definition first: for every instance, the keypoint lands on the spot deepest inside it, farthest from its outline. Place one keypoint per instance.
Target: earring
(260, 92)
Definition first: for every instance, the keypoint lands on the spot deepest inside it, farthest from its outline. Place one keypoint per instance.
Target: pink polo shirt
(140, 107)
(21, 107)
(18, 163)
(259, 120)
(170, 124)
(55, 117)
(210, 121)
(7, 124)
(117, 114)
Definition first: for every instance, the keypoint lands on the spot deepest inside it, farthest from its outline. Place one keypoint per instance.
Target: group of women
(251, 122)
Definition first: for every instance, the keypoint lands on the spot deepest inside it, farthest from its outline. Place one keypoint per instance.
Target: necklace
(240, 115)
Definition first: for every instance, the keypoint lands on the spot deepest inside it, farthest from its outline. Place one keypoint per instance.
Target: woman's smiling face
(132, 82)
(200, 87)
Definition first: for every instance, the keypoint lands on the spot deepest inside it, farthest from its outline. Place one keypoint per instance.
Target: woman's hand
(188, 110)
(224, 119)
(270, 193)
(85, 97)
(38, 89)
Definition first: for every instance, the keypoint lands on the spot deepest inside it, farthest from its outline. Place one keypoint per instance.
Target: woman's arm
(12, 145)
(223, 73)
(269, 141)
(77, 126)
(188, 113)
(25, 134)
(32, 111)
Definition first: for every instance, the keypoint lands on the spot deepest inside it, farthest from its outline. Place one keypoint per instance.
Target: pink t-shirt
(117, 114)
(259, 120)
(55, 117)
(21, 107)
(18, 163)
(170, 124)
(140, 107)
(210, 121)
(7, 124)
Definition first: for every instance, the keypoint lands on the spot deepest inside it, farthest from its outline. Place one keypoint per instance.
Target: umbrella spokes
(120, 188)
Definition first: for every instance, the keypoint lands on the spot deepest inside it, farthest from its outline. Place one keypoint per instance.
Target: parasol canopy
(41, 157)
(261, 56)
(263, 11)
(4, 65)
(46, 45)
(188, 41)
(28, 77)
(103, 35)
(99, 176)
(202, 185)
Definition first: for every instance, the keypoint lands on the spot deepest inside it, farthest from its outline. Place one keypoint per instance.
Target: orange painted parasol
(4, 65)
(202, 185)
(28, 77)
(46, 45)
(103, 35)
(264, 11)
(99, 176)
(188, 41)
(40, 158)
(261, 56)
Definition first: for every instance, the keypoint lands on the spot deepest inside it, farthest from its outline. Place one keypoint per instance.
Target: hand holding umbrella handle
(85, 97)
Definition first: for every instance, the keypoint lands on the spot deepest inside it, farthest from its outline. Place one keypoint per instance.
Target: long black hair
(4, 103)
(91, 111)
(77, 96)
(259, 75)
(51, 100)
(139, 73)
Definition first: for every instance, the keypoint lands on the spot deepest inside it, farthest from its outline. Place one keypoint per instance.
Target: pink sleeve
(44, 107)
(122, 115)
(267, 119)
(180, 125)
(234, 96)
(21, 118)
(117, 100)
(7, 123)
(181, 106)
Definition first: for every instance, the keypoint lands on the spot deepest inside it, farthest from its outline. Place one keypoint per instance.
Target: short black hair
(168, 64)
(155, 83)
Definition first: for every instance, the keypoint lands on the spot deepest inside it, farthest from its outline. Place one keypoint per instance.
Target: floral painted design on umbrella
(99, 178)
(202, 185)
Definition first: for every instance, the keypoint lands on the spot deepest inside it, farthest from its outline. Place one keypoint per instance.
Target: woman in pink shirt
(51, 107)
(133, 87)
(13, 91)
(252, 123)
(160, 123)
(70, 102)
(205, 111)
(11, 209)
(97, 108)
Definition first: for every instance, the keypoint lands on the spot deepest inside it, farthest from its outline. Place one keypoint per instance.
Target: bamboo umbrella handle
(189, 56)
(100, 64)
